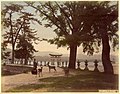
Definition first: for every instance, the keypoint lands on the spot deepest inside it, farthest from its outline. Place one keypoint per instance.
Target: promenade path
(8, 82)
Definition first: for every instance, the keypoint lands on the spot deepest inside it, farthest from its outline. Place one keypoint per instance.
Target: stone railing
(61, 64)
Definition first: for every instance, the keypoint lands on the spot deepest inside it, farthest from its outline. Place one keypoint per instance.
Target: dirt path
(9, 82)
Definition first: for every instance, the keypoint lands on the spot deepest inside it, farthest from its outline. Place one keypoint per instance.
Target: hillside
(44, 56)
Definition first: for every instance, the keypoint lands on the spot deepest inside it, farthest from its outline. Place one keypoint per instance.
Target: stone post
(86, 65)
(44, 63)
(96, 66)
(62, 63)
(66, 64)
(78, 64)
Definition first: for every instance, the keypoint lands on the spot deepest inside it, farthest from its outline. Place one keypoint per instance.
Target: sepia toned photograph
(59, 46)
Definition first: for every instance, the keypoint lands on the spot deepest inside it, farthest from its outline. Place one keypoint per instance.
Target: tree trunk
(12, 61)
(26, 55)
(72, 57)
(26, 60)
(108, 68)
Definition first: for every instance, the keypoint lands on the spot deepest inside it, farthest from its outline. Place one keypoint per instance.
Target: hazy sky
(48, 33)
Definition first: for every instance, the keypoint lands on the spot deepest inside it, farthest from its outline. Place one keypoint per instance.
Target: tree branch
(11, 27)
(68, 19)
(17, 33)
(65, 33)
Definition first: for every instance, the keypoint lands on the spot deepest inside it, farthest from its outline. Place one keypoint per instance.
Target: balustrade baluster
(86, 65)
(78, 64)
(44, 63)
(66, 64)
(96, 66)
(62, 63)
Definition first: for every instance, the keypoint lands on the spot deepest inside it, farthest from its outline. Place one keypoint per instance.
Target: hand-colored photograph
(59, 46)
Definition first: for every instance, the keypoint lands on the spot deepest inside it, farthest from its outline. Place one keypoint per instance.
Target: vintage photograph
(59, 46)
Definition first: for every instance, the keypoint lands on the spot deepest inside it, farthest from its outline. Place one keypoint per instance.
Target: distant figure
(35, 64)
(66, 71)
(34, 71)
(51, 67)
(40, 71)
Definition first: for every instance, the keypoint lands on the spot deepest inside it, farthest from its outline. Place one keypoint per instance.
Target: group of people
(35, 70)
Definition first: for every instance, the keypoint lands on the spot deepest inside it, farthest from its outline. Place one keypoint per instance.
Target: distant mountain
(44, 53)
(44, 56)
(97, 56)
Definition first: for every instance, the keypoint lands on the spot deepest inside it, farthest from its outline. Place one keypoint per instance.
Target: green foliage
(4, 54)
(24, 47)
(79, 22)
(60, 42)
(16, 23)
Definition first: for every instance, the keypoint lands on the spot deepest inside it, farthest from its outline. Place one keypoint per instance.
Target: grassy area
(14, 69)
(83, 81)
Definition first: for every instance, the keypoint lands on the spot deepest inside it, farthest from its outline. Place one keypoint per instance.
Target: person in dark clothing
(34, 70)
(35, 64)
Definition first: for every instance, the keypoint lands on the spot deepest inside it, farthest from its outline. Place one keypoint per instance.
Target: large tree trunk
(72, 57)
(108, 68)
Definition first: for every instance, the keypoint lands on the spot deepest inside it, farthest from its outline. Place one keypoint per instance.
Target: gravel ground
(8, 82)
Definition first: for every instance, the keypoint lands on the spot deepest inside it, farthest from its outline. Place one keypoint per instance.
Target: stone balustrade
(60, 64)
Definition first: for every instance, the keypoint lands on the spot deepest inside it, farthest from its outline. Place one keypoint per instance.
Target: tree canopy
(15, 21)
(80, 18)
(77, 23)
(81, 23)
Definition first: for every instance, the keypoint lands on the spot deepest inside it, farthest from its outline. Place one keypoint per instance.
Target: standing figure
(35, 64)
(40, 71)
(34, 70)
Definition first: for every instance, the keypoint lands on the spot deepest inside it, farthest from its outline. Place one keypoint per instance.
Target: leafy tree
(101, 21)
(25, 49)
(10, 25)
(106, 25)
(4, 53)
(65, 16)
(13, 20)
(86, 23)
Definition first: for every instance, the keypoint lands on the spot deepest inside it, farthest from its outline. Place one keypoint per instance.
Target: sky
(48, 33)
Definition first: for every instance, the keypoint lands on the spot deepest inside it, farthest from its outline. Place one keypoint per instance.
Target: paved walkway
(9, 82)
